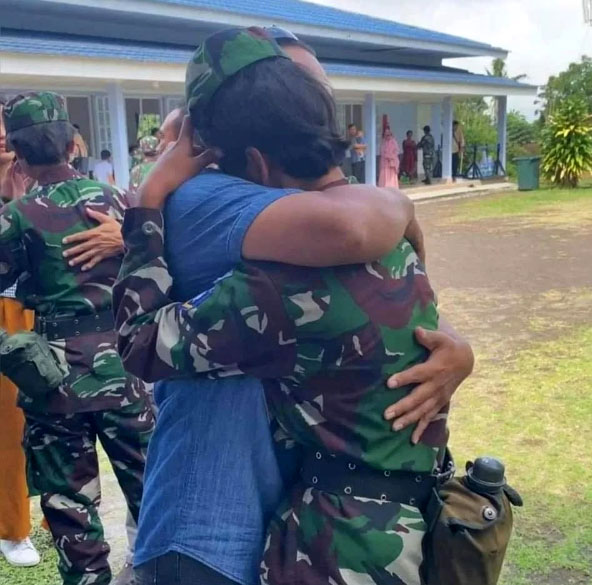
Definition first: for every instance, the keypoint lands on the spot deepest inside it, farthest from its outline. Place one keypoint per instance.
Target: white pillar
(370, 134)
(447, 119)
(502, 130)
(118, 126)
(436, 123)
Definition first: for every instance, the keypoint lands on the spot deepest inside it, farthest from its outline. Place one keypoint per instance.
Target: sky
(543, 36)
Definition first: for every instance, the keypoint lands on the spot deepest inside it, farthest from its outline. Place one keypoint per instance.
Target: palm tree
(498, 69)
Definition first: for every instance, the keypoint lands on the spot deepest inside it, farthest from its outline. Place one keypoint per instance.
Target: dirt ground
(504, 283)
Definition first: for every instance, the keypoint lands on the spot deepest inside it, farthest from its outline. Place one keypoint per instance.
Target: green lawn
(515, 204)
(536, 413)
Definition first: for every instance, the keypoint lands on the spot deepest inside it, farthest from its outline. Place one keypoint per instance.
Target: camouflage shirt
(428, 145)
(31, 253)
(324, 341)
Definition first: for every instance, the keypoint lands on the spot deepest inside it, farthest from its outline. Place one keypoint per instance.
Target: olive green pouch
(27, 360)
(469, 533)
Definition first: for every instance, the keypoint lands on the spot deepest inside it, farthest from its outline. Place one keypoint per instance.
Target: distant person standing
(103, 171)
(389, 159)
(149, 148)
(458, 147)
(409, 163)
(428, 145)
(357, 152)
(79, 156)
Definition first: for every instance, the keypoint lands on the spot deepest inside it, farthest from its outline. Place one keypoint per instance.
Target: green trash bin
(528, 172)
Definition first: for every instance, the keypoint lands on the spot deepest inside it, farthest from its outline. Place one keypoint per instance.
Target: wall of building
(402, 117)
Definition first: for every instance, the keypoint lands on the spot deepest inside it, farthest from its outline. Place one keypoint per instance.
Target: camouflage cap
(34, 108)
(223, 55)
(149, 144)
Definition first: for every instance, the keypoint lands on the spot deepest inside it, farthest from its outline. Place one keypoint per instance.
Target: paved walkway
(462, 188)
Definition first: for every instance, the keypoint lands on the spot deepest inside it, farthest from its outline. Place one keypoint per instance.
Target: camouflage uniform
(428, 145)
(97, 397)
(148, 146)
(325, 341)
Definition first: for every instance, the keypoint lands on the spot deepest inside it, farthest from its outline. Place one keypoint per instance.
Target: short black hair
(76, 126)
(105, 154)
(455, 123)
(351, 126)
(291, 119)
(154, 131)
(427, 129)
(409, 132)
(43, 144)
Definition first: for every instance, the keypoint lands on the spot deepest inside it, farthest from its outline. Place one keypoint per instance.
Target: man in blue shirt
(212, 478)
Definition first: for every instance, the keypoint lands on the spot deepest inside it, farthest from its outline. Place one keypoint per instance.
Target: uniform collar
(58, 174)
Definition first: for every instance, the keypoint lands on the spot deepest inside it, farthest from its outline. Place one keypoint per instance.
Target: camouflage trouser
(322, 539)
(428, 168)
(62, 467)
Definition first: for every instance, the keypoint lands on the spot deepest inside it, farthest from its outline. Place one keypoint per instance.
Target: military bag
(470, 524)
(28, 361)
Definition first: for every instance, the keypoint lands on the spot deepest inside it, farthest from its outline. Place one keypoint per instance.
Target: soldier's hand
(96, 244)
(181, 161)
(450, 363)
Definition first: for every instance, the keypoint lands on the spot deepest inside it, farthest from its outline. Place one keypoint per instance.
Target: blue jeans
(177, 569)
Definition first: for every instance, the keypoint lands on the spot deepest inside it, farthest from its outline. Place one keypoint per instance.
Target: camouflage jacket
(324, 341)
(428, 145)
(31, 254)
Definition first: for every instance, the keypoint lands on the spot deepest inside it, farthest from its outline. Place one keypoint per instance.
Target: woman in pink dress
(389, 159)
(409, 164)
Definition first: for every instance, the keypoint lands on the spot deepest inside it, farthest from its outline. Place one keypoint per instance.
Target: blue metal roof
(443, 74)
(300, 12)
(36, 43)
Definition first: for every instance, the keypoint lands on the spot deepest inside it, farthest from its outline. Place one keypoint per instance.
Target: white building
(118, 59)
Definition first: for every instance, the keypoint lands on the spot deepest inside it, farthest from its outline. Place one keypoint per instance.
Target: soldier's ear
(257, 167)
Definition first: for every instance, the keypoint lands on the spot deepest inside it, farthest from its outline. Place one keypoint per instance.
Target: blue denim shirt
(212, 479)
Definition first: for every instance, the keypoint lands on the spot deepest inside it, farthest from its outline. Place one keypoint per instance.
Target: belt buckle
(442, 476)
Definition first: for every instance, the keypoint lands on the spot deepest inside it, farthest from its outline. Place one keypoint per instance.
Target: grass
(536, 416)
(547, 203)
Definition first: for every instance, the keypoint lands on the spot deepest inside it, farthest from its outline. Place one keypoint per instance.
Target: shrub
(567, 143)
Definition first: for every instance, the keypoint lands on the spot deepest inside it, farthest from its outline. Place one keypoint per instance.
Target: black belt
(340, 475)
(67, 326)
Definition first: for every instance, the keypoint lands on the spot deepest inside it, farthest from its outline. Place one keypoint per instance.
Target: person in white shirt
(103, 171)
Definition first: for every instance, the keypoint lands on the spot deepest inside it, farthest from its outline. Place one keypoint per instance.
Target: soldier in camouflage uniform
(428, 145)
(73, 311)
(324, 341)
(149, 149)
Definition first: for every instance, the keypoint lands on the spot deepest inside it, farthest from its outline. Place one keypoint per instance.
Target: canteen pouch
(28, 362)
(468, 534)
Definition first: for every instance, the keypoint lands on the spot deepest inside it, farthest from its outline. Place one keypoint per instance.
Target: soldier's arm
(12, 251)
(225, 331)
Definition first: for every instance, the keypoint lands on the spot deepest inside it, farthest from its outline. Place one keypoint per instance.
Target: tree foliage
(567, 142)
(499, 69)
(575, 81)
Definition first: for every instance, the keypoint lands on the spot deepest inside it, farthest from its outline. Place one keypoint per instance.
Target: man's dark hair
(350, 126)
(455, 123)
(154, 131)
(76, 126)
(43, 144)
(427, 129)
(409, 132)
(105, 154)
(280, 109)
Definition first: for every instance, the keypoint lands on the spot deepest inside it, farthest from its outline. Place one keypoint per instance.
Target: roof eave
(225, 18)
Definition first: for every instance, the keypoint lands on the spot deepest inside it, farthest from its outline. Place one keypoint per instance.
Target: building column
(370, 134)
(447, 119)
(118, 127)
(502, 127)
(436, 124)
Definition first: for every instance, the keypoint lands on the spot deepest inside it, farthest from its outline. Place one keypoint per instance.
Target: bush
(567, 143)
